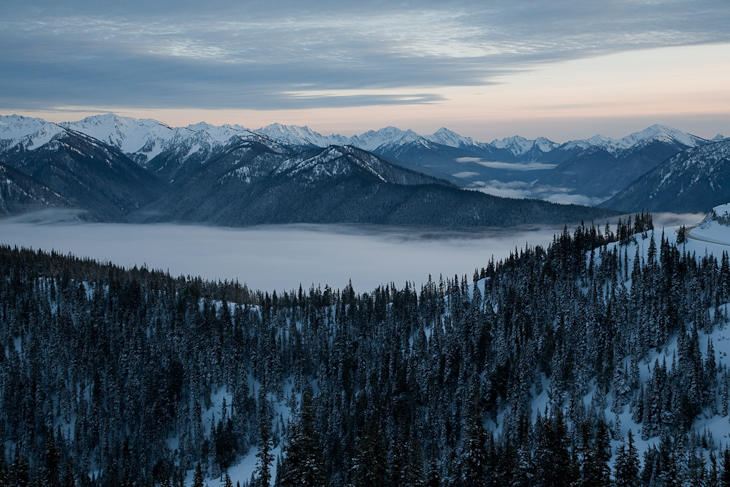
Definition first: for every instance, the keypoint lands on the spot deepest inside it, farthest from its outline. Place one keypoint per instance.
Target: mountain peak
(519, 145)
(30, 132)
(450, 138)
(659, 132)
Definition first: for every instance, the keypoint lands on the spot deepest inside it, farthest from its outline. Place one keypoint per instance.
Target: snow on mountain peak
(300, 136)
(660, 133)
(450, 138)
(518, 145)
(30, 132)
(654, 133)
(372, 139)
(130, 135)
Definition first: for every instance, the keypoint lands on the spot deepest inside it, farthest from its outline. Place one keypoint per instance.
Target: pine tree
(264, 455)
(304, 464)
(725, 474)
(21, 470)
(370, 465)
(434, 477)
(198, 476)
(474, 457)
(627, 463)
(713, 477)
(53, 460)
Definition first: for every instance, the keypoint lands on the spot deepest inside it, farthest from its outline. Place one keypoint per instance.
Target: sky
(564, 69)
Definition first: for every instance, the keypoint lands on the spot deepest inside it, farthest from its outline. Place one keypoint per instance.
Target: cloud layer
(283, 55)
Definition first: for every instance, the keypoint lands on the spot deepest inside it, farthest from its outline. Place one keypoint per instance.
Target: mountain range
(587, 170)
(121, 168)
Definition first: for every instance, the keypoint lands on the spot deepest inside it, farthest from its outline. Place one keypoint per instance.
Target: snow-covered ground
(714, 230)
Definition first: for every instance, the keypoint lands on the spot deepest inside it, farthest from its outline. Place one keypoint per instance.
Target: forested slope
(109, 375)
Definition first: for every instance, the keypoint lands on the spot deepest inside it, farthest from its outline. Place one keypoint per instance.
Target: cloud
(263, 55)
(515, 166)
(520, 189)
(465, 174)
(275, 257)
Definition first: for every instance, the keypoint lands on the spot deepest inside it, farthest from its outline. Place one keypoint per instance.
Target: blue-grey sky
(484, 68)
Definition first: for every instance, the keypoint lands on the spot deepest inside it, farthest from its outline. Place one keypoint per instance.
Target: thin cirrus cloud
(280, 55)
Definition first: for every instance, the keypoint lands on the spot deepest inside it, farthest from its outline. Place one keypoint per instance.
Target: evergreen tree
(434, 477)
(264, 455)
(725, 474)
(304, 464)
(198, 476)
(370, 465)
(474, 458)
(627, 463)
(53, 460)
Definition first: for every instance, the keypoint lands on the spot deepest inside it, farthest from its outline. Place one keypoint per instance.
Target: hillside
(250, 185)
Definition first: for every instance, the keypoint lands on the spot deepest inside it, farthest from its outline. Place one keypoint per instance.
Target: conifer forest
(111, 376)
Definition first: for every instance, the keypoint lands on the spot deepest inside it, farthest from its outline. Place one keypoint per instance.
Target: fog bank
(275, 257)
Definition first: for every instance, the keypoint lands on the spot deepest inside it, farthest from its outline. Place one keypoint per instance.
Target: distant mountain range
(144, 170)
(121, 169)
(587, 170)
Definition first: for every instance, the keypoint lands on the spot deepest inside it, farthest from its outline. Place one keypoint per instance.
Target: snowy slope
(143, 140)
(690, 181)
(519, 145)
(30, 133)
(147, 138)
(714, 229)
(129, 135)
(300, 136)
(449, 138)
(372, 139)
(658, 133)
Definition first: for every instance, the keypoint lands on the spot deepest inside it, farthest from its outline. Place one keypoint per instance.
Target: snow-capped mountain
(249, 184)
(691, 181)
(130, 135)
(655, 133)
(25, 133)
(61, 166)
(144, 140)
(600, 167)
(297, 136)
(337, 161)
(449, 138)
(520, 146)
(388, 136)
(597, 167)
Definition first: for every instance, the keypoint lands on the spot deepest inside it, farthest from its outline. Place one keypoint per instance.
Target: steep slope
(141, 140)
(25, 133)
(20, 193)
(80, 169)
(252, 184)
(691, 181)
